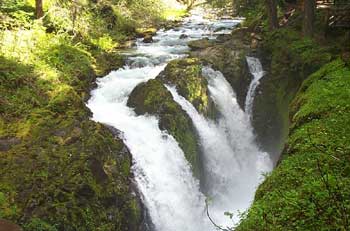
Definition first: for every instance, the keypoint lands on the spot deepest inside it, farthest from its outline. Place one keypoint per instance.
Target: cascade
(257, 71)
(233, 163)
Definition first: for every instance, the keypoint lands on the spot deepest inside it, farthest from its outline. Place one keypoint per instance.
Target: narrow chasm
(190, 139)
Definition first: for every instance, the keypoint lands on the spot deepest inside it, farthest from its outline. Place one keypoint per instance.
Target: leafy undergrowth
(310, 189)
(291, 54)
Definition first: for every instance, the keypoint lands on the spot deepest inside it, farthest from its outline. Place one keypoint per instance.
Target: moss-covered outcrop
(152, 97)
(310, 189)
(287, 61)
(186, 75)
(229, 57)
(59, 170)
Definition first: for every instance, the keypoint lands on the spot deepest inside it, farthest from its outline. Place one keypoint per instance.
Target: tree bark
(39, 12)
(309, 17)
(272, 13)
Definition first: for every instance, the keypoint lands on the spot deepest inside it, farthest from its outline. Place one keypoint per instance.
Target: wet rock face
(147, 98)
(153, 98)
(186, 75)
(270, 111)
(228, 55)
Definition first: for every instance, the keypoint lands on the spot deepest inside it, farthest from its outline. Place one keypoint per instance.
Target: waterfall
(257, 71)
(161, 171)
(233, 162)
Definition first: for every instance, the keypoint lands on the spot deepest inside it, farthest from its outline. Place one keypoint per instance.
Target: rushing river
(233, 162)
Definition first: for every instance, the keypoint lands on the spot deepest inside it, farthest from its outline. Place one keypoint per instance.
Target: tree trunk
(309, 17)
(272, 13)
(39, 12)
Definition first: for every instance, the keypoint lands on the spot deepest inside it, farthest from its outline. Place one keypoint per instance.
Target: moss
(310, 190)
(289, 53)
(60, 171)
(37, 224)
(186, 75)
(229, 57)
(153, 98)
(106, 62)
(288, 60)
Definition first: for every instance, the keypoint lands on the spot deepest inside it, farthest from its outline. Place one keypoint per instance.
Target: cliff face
(301, 117)
(228, 55)
(305, 90)
(270, 111)
(309, 189)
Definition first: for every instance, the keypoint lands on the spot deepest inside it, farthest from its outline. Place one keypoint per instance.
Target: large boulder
(186, 75)
(200, 44)
(148, 39)
(154, 98)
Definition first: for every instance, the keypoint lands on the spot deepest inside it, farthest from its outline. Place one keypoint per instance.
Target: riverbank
(60, 170)
(306, 86)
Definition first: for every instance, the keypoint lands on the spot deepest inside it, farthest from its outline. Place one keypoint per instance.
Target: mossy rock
(186, 75)
(310, 188)
(60, 170)
(72, 175)
(200, 44)
(153, 98)
(229, 57)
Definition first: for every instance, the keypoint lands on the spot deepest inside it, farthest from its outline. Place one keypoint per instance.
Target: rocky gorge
(206, 123)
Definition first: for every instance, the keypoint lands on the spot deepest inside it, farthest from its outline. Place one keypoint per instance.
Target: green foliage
(253, 10)
(7, 209)
(310, 189)
(292, 54)
(15, 13)
(53, 171)
(37, 224)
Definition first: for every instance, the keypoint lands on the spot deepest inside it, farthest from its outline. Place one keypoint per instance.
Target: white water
(233, 163)
(257, 71)
(161, 171)
(171, 194)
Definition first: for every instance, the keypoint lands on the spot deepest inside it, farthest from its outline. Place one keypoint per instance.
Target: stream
(233, 163)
